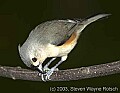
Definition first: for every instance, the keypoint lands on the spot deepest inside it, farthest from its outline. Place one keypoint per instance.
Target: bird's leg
(49, 73)
(45, 68)
(40, 68)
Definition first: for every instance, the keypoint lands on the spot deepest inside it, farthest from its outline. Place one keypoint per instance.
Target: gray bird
(52, 39)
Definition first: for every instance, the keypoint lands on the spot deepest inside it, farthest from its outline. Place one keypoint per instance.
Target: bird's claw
(48, 72)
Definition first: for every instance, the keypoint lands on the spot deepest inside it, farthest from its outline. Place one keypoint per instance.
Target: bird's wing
(55, 32)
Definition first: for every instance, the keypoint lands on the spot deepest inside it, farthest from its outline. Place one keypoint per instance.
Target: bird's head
(32, 56)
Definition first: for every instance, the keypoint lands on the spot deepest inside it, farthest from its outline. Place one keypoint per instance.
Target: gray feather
(23, 51)
(82, 24)
(58, 31)
(54, 32)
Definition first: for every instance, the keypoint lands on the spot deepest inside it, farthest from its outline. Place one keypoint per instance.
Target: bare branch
(62, 75)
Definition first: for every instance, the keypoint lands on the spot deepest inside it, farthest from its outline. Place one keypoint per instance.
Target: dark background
(99, 43)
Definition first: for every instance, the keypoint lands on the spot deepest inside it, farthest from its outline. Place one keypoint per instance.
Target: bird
(53, 39)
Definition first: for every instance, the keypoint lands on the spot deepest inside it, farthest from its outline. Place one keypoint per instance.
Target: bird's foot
(48, 72)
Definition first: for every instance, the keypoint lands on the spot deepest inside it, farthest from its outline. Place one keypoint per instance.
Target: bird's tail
(88, 21)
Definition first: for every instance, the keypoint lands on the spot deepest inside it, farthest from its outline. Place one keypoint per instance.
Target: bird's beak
(39, 68)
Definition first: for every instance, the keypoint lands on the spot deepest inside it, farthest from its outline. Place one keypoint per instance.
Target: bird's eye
(34, 59)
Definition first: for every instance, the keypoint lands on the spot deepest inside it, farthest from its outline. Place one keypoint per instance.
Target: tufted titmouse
(52, 39)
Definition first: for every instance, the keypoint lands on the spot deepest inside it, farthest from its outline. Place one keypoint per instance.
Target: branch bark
(62, 75)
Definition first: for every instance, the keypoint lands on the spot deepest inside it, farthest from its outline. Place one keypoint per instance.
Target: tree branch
(62, 75)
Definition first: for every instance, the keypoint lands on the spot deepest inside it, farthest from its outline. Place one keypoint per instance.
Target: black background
(99, 43)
